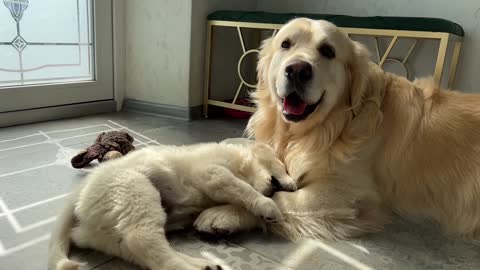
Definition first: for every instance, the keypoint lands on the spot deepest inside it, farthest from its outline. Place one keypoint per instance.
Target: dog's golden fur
(413, 144)
(385, 144)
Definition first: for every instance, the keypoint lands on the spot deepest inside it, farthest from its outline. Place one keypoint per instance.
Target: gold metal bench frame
(444, 38)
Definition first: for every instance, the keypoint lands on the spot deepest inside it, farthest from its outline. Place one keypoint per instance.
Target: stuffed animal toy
(108, 145)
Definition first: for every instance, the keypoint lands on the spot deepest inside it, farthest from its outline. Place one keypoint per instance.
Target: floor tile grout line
(35, 204)
(23, 146)
(82, 135)
(153, 141)
(28, 169)
(73, 129)
(333, 252)
(10, 217)
(145, 137)
(45, 135)
(263, 255)
(342, 256)
(61, 148)
(9, 214)
(37, 224)
(161, 115)
(2, 249)
(137, 139)
(52, 139)
(25, 245)
(61, 139)
(19, 138)
(77, 136)
(300, 253)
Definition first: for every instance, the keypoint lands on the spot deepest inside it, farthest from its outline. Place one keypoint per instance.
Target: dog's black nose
(299, 72)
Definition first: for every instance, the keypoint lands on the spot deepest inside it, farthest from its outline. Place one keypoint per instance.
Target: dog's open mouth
(295, 109)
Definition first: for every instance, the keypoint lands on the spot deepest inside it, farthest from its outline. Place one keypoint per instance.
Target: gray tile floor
(36, 177)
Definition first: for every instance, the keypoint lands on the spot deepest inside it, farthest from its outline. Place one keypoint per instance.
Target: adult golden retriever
(359, 141)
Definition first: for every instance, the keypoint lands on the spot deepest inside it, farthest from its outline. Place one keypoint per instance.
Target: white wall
(464, 12)
(165, 49)
(158, 51)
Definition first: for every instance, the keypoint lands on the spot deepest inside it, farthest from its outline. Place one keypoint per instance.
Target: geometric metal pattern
(402, 68)
(239, 65)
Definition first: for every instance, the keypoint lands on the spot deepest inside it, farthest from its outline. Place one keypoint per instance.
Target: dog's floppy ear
(264, 58)
(357, 68)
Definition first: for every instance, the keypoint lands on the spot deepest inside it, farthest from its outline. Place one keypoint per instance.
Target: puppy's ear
(358, 76)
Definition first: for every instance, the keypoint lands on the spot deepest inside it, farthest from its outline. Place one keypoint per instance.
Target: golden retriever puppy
(359, 141)
(127, 204)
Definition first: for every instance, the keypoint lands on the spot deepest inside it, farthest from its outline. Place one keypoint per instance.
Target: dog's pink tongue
(294, 105)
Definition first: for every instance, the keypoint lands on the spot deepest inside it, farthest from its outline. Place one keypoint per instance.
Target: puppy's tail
(328, 224)
(60, 241)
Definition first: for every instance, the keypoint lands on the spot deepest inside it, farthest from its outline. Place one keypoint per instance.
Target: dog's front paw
(266, 209)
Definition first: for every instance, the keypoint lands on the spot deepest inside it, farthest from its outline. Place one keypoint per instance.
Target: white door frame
(18, 106)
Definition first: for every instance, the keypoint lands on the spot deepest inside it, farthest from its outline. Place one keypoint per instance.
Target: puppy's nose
(299, 72)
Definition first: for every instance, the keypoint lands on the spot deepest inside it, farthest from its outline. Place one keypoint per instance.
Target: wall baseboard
(56, 112)
(184, 113)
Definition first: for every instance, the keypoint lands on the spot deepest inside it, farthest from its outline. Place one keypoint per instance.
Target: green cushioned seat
(376, 22)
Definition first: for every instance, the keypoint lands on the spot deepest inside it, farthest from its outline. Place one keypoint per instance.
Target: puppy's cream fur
(126, 205)
(378, 142)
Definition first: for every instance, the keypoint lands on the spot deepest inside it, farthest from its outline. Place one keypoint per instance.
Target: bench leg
(208, 58)
(442, 52)
(453, 65)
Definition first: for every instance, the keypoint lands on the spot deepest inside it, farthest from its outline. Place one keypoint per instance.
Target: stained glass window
(45, 41)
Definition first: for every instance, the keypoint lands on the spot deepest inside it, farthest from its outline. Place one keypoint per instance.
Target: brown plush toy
(108, 145)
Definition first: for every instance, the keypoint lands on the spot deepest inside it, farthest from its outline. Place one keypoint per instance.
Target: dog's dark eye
(327, 51)
(286, 44)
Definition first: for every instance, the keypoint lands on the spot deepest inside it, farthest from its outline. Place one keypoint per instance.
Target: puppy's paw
(221, 220)
(202, 264)
(266, 209)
